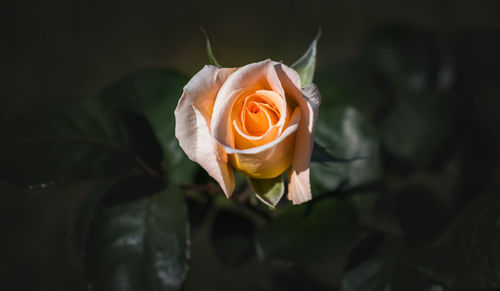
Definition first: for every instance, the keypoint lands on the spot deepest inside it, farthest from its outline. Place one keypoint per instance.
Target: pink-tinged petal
(293, 78)
(193, 116)
(249, 78)
(308, 99)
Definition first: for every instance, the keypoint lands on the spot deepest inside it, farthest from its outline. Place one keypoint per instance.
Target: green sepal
(211, 58)
(306, 64)
(268, 191)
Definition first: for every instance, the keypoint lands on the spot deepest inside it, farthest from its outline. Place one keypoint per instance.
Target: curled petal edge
(308, 99)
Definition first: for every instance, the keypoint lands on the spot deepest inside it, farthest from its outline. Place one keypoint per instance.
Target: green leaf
(140, 245)
(316, 232)
(154, 94)
(268, 191)
(211, 58)
(78, 140)
(344, 132)
(307, 63)
(321, 155)
(81, 216)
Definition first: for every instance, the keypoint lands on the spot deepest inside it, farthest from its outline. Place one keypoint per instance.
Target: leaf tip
(268, 191)
(306, 64)
(211, 58)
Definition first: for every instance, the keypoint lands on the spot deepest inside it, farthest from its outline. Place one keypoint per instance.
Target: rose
(255, 119)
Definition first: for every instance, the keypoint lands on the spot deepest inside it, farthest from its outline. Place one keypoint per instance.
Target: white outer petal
(193, 116)
(308, 99)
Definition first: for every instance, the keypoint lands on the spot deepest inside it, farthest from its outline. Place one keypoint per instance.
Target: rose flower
(255, 119)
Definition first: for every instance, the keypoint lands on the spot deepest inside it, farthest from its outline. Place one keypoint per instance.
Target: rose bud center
(259, 115)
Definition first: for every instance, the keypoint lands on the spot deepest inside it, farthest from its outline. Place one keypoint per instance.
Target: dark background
(59, 50)
(72, 49)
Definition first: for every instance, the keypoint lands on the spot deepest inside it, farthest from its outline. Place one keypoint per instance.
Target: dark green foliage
(290, 235)
(140, 245)
(70, 141)
(154, 94)
(97, 193)
(116, 147)
(344, 132)
(232, 236)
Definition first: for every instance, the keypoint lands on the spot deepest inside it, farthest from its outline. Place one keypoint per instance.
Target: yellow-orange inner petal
(259, 117)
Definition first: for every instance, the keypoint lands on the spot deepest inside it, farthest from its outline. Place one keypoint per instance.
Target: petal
(308, 99)
(258, 113)
(243, 139)
(193, 116)
(290, 75)
(258, 117)
(279, 103)
(269, 160)
(252, 77)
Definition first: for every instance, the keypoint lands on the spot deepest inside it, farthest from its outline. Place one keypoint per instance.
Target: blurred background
(412, 85)
(58, 49)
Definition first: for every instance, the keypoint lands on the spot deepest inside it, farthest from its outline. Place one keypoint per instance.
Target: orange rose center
(258, 115)
(255, 118)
